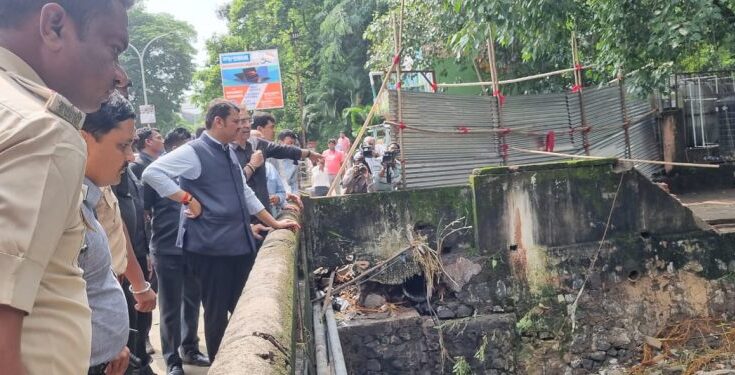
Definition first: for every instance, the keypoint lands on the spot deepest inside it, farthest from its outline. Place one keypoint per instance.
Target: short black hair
(176, 137)
(219, 108)
(286, 133)
(143, 134)
(116, 110)
(261, 120)
(199, 131)
(332, 140)
(12, 12)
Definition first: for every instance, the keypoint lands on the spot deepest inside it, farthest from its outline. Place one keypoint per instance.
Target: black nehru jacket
(258, 181)
(130, 198)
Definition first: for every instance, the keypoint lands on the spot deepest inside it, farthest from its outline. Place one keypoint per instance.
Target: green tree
(649, 38)
(322, 55)
(168, 61)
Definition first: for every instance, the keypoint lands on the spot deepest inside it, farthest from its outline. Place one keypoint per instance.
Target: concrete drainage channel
(498, 298)
(504, 299)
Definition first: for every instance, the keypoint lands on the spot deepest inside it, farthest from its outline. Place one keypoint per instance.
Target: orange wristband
(186, 199)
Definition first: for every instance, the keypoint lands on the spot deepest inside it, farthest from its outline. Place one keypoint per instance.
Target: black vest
(223, 228)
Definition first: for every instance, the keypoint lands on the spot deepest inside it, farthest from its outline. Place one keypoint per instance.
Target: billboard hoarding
(252, 78)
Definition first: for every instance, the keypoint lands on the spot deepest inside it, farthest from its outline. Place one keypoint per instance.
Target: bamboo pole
(640, 161)
(479, 76)
(399, 45)
(624, 113)
(362, 131)
(579, 83)
(502, 147)
(514, 80)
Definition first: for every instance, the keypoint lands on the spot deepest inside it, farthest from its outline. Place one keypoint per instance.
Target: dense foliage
(328, 46)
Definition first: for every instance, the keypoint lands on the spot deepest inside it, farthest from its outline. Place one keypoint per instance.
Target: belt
(98, 370)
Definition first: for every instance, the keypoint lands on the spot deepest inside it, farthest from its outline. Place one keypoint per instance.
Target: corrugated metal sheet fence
(446, 137)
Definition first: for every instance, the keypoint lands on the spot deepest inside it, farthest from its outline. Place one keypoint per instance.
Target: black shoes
(135, 367)
(195, 358)
(175, 370)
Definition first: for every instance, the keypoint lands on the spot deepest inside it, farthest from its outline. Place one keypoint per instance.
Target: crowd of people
(100, 222)
(372, 168)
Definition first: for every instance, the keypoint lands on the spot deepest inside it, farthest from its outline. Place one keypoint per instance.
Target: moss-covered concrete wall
(260, 335)
(567, 203)
(372, 227)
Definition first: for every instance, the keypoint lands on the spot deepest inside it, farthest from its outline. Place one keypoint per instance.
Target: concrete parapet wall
(264, 318)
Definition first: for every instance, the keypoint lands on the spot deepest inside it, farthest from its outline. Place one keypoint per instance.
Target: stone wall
(411, 344)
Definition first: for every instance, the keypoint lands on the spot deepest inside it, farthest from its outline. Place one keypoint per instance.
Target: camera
(367, 152)
(389, 157)
(359, 169)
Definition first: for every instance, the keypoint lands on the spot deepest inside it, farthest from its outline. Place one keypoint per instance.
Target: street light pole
(141, 56)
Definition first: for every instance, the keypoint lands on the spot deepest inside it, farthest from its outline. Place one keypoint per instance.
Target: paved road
(159, 366)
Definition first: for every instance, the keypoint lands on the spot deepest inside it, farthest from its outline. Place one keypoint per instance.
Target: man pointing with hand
(215, 232)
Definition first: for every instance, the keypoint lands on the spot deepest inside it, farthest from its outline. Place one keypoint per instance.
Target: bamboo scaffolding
(358, 139)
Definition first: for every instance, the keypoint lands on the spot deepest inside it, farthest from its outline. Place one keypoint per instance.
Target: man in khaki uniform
(57, 61)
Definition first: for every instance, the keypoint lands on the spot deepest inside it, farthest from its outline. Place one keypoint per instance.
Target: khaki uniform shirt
(42, 157)
(108, 214)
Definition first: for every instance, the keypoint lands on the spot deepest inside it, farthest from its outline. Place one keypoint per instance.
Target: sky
(200, 13)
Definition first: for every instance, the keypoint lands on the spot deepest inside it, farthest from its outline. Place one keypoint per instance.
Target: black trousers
(222, 279)
(178, 304)
(140, 322)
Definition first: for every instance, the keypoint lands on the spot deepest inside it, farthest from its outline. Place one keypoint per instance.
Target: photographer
(389, 176)
(358, 178)
(370, 157)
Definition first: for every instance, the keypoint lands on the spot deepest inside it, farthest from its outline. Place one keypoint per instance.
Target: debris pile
(695, 346)
(356, 290)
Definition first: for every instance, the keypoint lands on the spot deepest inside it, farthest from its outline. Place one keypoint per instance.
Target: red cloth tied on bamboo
(550, 141)
(500, 96)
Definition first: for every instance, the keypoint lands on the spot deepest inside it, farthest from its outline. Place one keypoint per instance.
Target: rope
(461, 129)
(573, 310)
(641, 161)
